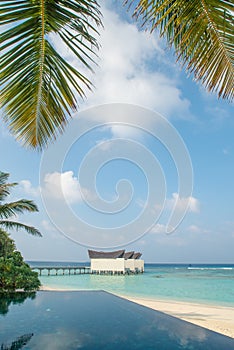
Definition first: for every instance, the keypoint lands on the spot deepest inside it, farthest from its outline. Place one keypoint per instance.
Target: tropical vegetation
(40, 88)
(10, 210)
(202, 33)
(14, 272)
(39, 85)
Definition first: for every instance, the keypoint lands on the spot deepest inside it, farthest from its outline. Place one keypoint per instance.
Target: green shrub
(14, 272)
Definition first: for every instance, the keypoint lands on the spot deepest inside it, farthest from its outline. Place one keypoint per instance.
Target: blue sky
(134, 68)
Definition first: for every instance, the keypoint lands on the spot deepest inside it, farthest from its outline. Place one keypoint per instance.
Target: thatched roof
(128, 255)
(93, 254)
(136, 256)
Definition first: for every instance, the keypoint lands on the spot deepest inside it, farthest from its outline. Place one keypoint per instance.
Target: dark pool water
(93, 320)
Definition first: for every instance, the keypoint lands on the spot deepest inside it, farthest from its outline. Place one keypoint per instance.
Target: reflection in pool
(94, 320)
(6, 299)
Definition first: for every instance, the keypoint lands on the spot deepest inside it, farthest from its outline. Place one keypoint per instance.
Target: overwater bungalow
(116, 262)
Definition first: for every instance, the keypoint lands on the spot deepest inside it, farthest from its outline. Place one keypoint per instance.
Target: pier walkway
(64, 270)
(78, 270)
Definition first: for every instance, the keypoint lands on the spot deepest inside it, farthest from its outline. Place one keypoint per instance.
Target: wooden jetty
(64, 270)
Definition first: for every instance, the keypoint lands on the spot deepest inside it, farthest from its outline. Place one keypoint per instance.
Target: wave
(210, 268)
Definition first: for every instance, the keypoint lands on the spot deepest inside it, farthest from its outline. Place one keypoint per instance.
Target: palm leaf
(5, 190)
(7, 210)
(5, 187)
(39, 86)
(9, 225)
(3, 178)
(12, 209)
(202, 33)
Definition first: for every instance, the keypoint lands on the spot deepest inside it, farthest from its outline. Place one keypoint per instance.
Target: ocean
(208, 284)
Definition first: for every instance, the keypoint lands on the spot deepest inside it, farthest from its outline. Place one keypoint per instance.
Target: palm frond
(3, 178)
(8, 210)
(13, 225)
(5, 187)
(39, 86)
(5, 190)
(202, 32)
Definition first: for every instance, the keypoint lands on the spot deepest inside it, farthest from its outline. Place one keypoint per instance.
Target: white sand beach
(216, 318)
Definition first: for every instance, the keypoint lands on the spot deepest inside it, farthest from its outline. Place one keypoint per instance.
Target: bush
(14, 272)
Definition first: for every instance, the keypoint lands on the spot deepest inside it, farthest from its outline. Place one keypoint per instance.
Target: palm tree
(39, 85)
(202, 33)
(9, 210)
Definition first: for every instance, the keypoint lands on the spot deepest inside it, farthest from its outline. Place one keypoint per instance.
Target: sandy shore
(216, 318)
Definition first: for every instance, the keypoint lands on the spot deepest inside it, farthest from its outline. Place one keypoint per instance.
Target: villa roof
(93, 254)
(136, 256)
(128, 255)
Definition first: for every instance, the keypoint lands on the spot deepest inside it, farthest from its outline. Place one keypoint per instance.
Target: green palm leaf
(9, 225)
(3, 178)
(202, 33)
(12, 209)
(39, 86)
(8, 210)
(5, 190)
(5, 187)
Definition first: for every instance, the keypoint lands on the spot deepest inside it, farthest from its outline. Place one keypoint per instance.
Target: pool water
(96, 320)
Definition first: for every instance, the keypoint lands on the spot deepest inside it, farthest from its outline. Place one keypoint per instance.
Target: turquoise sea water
(209, 284)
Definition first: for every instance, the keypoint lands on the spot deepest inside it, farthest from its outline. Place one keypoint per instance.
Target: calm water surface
(95, 320)
(212, 284)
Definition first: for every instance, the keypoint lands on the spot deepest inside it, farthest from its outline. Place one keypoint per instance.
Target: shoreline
(217, 318)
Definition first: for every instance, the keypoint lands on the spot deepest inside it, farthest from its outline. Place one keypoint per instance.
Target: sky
(146, 164)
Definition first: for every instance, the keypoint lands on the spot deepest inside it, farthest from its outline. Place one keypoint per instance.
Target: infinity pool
(96, 320)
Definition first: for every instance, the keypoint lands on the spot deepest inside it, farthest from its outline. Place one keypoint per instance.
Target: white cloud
(194, 229)
(182, 203)
(58, 186)
(47, 226)
(62, 185)
(65, 186)
(29, 189)
(159, 228)
(130, 70)
(197, 229)
(125, 131)
(49, 230)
